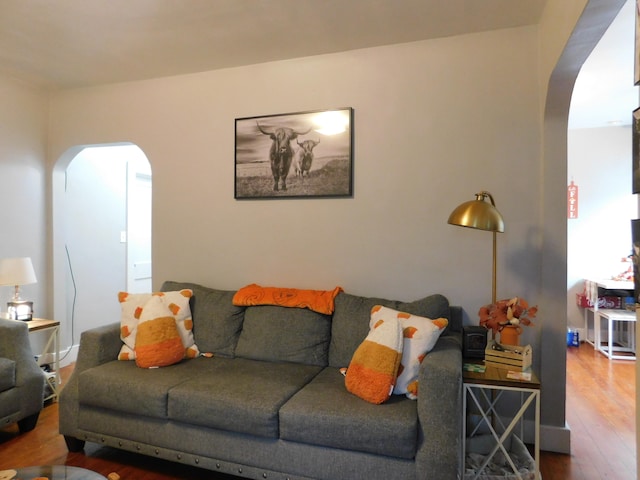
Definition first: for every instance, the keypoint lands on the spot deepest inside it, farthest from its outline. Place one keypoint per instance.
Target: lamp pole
(482, 215)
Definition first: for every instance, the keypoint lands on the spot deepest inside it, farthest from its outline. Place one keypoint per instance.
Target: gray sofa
(21, 379)
(271, 403)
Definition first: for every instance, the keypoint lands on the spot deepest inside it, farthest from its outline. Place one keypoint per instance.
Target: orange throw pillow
(158, 342)
(321, 301)
(373, 369)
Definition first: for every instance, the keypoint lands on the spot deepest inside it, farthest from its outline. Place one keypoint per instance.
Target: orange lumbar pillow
(158, 342)
(321, 301)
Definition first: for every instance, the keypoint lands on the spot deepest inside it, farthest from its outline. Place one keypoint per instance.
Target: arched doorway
(595, 19)
(102, 234)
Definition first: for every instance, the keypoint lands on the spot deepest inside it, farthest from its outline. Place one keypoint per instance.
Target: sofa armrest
(29, 377)
(15, 345)
(97, 346)
(440, 410)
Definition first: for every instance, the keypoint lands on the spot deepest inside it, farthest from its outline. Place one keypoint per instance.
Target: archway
(594, 21)
(101, 234)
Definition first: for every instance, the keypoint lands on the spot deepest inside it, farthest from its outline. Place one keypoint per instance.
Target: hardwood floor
(600, 413)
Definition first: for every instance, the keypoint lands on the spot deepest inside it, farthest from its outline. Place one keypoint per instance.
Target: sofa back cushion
(216, 321)
(350, 324)
(285, 334)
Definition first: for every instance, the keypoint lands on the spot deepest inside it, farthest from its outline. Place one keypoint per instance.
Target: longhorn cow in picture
(303, 158)
(281, 153)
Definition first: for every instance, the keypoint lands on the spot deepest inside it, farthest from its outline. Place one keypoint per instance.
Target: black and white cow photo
(294, 155)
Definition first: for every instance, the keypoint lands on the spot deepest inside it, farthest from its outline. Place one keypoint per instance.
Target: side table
(484, 390)
(617, 321)
(53, 328)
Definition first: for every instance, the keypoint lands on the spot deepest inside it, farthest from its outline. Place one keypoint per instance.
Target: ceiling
(77, 43)
(604, 94)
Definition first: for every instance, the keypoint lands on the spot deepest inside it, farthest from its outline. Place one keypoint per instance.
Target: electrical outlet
(123, 236)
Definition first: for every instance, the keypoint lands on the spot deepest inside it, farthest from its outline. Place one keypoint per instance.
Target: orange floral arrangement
(513, 311)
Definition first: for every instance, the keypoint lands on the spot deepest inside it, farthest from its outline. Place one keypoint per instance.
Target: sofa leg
(73, 444)
(28, 423)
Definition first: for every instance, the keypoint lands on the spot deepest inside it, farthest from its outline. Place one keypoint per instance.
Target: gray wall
(23, 188)
(599, 161)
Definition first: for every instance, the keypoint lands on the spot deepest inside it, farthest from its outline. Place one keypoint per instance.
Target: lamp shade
(478, 214)
(17, 271)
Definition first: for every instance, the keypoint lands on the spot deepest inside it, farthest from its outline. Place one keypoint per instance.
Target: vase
(510, 335)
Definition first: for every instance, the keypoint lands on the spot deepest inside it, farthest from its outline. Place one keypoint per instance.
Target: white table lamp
(16, 272)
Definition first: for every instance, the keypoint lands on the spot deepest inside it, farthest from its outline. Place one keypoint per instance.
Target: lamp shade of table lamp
(481, 215)
(16, 272)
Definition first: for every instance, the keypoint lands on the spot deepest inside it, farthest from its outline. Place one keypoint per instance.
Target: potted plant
(506, 317)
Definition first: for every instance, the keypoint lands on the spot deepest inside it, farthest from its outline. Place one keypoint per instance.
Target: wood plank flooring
(600, 413)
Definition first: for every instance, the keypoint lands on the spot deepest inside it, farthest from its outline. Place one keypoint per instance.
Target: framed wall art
(635, 150)
(636, 56)
(635, 257)
(294, 155)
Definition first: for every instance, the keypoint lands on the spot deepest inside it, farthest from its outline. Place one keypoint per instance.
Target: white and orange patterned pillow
(132, 306)
(373, 369)
(420, 335)
(158, 342)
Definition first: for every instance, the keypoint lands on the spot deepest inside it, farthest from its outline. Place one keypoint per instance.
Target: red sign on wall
(572, 200)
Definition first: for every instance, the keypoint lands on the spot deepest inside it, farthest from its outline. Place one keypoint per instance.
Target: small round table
(52, 472)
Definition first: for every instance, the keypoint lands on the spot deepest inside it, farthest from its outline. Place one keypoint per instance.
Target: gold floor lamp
(481, 215)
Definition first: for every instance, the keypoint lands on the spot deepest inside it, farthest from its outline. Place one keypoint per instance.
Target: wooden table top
(500, 377)
(40, 324)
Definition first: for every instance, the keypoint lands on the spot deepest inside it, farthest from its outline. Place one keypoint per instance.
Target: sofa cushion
(350, 323)
(324, 413)
(216, 321)
(286, 334)
(7, 374)
(240, 395)
(122, 386)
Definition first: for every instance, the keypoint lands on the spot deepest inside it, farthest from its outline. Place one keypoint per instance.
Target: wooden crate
(512, 358)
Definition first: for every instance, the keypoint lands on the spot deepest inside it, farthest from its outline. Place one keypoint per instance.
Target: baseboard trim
(68, 355)
(555, 439)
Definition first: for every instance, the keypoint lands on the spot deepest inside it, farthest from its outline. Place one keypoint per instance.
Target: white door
(138, 236)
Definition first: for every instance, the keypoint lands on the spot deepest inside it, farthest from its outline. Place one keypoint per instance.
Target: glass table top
(50, 472)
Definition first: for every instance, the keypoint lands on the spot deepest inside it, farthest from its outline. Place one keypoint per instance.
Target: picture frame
(635, 257)
(635, 150)
(636, 57)
(294, 155)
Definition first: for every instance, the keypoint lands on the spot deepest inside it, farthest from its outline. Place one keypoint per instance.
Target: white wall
(434, 123)
(23, 193)
(599, 161)
(95, 214)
